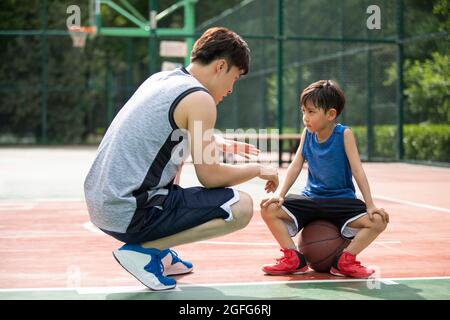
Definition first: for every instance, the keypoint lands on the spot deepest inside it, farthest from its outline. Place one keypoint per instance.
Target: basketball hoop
(79, 35)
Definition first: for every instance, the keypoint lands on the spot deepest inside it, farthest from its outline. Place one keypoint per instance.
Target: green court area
(373, 289)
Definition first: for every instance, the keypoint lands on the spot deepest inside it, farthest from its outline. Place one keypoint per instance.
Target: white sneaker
(145, 265)
(173, 264)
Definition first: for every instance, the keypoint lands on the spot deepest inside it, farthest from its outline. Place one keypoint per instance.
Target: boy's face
(316, 119)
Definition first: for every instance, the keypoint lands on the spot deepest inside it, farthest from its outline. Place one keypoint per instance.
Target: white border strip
(125, 289)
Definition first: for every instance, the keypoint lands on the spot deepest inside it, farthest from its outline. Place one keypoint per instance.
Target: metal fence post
(400, 81)
(44, 75)
(280, 53)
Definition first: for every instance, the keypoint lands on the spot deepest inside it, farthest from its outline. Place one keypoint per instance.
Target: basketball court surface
(50, 250)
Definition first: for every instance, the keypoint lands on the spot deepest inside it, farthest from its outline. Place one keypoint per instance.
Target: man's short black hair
(218, 43)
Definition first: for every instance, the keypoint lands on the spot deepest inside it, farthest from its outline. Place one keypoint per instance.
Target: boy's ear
(332, 114)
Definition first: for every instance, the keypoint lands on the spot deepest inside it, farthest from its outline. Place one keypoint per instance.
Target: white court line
(399, 250)
(411, 203)
(89, 226)
(20, 201)
(76, 199)
(137, 289)
(10, 208)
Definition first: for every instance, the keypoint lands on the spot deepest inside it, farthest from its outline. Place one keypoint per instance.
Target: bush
(425, 142)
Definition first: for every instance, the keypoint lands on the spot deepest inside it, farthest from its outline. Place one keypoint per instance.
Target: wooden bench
(288, 142)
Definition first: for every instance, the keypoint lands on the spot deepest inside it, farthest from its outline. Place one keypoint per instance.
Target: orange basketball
(320, 241)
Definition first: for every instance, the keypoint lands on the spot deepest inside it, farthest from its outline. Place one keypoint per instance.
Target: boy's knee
(378, 223)
(269, 211)
(243, 210)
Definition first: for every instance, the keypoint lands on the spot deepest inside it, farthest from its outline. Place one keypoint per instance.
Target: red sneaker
(293, 262)
(347, 265)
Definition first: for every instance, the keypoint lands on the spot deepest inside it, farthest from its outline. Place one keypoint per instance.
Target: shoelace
(278, 260)
(155, 265)
(175, 258)
(359, 266)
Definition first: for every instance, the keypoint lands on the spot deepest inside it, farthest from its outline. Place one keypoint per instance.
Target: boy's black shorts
(339, 211)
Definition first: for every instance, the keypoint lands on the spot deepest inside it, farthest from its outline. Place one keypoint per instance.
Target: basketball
(320, 241)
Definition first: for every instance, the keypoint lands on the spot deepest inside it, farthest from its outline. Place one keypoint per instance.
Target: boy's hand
(275, 199)
(374, 210)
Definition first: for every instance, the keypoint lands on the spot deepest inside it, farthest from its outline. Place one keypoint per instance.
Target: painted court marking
(411, 203)
(138, 289)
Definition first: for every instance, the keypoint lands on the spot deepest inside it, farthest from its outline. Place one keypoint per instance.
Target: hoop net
(79, 35)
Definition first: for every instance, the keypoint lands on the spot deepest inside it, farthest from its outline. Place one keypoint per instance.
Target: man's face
(224, 83)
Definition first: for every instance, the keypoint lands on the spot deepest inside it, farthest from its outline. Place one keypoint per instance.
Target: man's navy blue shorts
(183, 208)
(338, 211)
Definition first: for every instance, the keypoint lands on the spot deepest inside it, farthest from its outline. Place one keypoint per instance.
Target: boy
(332, 157)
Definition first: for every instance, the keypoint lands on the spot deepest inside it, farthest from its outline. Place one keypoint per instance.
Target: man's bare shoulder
(198, 105)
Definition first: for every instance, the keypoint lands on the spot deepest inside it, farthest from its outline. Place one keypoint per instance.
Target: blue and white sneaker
(173, 264)
(145, 265)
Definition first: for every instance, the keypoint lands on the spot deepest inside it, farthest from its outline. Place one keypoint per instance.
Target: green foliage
(427, 88)
(83, 83)
(421, 142)
(442, 9)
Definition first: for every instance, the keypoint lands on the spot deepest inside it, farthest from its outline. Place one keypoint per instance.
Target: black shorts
(338, 211)
(184, 208)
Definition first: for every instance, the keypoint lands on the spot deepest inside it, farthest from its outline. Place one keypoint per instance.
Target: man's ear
(221, 65)
(332, 114)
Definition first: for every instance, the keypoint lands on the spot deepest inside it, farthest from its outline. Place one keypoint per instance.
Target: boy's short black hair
(219, 42)
(324, 94)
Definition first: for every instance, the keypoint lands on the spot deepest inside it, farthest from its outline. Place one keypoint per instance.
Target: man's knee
(243, 209)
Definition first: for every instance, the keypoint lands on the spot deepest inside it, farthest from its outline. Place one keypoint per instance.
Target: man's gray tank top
(140, 154)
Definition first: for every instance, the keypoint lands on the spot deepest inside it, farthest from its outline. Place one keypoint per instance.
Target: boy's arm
(358, 172)
(200, 111)
(293, 171)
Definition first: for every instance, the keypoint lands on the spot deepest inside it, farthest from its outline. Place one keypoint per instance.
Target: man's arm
(200, 112)
(178, 176)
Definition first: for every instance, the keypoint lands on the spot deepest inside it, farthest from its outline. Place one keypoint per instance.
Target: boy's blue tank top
(329, 172)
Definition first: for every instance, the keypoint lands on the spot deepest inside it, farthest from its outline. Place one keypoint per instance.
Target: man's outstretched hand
(236, 147)
(271, 175)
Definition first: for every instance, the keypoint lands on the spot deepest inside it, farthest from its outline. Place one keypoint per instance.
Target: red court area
(51, 244)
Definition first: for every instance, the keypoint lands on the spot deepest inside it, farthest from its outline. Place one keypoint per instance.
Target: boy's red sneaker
(347, 265)
(293, 262)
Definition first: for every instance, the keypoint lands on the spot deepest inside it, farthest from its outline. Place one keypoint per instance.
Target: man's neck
(201, 73)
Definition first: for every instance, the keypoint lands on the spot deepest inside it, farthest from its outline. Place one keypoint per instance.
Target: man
(130, 190)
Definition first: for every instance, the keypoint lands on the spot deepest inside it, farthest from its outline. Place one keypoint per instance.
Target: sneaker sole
(280, 273)
(147, 279)
(338, 274)
(173, 271)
